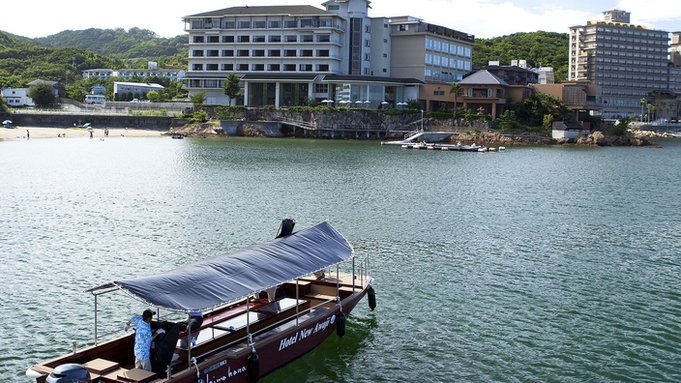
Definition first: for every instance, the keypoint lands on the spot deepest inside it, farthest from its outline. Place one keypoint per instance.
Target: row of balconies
(270, 55)
(274, 68)
(304, 23)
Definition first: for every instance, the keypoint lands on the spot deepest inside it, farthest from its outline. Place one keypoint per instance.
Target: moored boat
(261, 307)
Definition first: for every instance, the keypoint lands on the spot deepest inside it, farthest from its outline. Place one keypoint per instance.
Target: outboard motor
(286, 227)
(69, 373)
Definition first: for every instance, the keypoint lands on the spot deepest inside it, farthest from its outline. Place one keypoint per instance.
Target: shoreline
(41, 132)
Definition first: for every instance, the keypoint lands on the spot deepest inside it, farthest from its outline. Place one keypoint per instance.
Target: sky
(482, 18)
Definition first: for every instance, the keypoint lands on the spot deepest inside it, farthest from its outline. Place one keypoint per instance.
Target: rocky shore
(489, 138)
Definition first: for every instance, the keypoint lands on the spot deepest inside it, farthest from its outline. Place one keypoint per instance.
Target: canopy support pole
(96, 329)
(297, 302)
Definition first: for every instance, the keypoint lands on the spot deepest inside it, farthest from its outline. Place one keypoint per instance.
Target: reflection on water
(537, 264)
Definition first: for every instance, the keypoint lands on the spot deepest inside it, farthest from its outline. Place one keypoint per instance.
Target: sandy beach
(20, 133)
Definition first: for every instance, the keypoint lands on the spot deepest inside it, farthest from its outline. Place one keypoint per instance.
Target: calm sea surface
(540, 264)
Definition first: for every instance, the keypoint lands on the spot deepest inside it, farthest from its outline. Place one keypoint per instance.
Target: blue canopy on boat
(233, 276)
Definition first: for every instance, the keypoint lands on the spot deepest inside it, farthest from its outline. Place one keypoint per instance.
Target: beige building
(629, 62)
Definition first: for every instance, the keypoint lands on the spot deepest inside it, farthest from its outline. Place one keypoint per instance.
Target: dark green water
(540, 264)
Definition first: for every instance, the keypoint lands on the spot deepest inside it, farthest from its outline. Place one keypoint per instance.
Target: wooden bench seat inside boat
(231, 329)
(134, 375)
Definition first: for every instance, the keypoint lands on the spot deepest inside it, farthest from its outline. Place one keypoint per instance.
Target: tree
(153, 96)
(643, 104)
(231, 87)
(198, 99)
(651, 108)
(3, 104)
(456, 89)
(41, 94)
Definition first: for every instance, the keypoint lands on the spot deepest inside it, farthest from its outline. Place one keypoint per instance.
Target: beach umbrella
(331, 101)
(385, 102)
(325, 101)
(86, 125)
(7, 122)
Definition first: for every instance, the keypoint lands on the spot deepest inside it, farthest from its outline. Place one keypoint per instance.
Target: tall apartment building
(629, 62)
(286, 55)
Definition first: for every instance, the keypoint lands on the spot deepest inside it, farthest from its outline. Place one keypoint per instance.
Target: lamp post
(421, 120)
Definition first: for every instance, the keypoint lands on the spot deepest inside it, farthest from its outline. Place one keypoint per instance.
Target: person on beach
(143, 338)
(28, 135)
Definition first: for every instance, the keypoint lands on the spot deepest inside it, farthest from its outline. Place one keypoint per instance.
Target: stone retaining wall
(62, 120)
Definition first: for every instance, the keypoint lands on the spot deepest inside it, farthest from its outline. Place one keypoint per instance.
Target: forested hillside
(63, 57)
(548, 49)
(135, 43)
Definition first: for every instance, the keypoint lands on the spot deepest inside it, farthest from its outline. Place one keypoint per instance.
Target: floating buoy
(372, 298)
(340, 324)
(254, 367)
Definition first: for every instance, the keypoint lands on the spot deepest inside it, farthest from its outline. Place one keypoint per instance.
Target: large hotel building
(629, 62)
(286, 55)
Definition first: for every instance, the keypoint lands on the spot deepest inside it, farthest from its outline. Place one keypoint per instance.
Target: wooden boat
(263, 306)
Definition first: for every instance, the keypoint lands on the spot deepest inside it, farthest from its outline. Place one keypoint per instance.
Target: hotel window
(291, 38)
(289, 53)
(244, 39)
(227, 67)
(467, 65)
(290, 24)
(198, 39)
(230, 25)
(227, 39)
(436, 45)
(306, 39)
(213, 39)
(289, 67)
(323, 68)
(306, 53)
(273, 67)
(244, 24)
(427, 72)
(322, 53)
(258, 39)
(367, 43)
(385, 41)
(197, 53)
(259, 24)
(242, 67)
(459, 51)
(306, 23)
(459, 64)
(436, 60)
(274, 24)
(258, 67)
(429, 58)
(211, 66)
(403, 27)
(367, 29)
(323, 38)
(274, 39)
(321, 88)
(333, 8)
(197, 67)
(429, 44)
(367, 57)
(385, 55)
(468, 52)
(445, 47)
(213, 53)
(273, 53)
(305, 68)
(258, 53)
(242, 53)
(445, 61)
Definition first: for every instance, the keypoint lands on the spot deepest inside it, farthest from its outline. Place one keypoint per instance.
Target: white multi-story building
(151, 71)
(16, 97)
(629, 62)
(285, 55)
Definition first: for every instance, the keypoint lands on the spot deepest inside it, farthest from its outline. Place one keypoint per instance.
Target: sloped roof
(483, 77)
(265, 10)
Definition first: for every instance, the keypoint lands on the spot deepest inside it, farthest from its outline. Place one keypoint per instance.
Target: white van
(95, 99)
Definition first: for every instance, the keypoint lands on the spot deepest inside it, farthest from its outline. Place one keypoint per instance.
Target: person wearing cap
(143, 338)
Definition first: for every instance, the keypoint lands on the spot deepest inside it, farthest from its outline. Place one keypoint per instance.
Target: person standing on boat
(143, 338)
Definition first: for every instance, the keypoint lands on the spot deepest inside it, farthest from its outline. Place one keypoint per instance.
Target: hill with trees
(135, 43)
(547, 49)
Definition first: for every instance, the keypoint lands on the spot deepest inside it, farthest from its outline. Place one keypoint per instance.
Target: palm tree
(456, 89)
(651, 108)
(643, 103)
